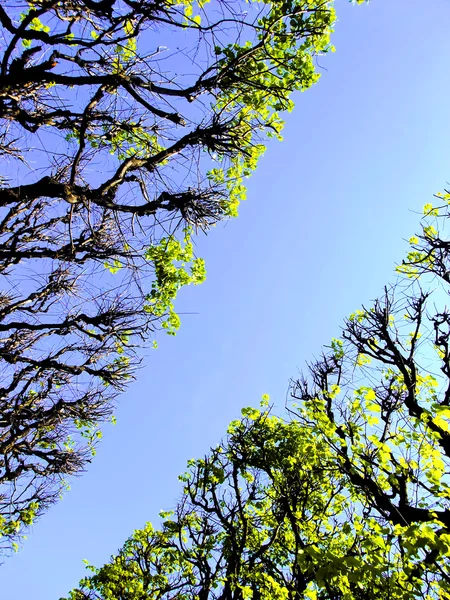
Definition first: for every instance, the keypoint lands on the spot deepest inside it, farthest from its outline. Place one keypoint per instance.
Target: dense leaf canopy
(262, 517)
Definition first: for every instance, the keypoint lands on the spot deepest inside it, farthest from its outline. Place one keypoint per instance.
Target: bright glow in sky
(326, 218)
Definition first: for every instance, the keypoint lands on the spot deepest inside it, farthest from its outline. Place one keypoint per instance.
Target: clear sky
(326, 218)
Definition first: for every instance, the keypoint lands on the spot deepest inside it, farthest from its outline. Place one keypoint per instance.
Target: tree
(116, 152)
(381, 400)
(347, 497)
(262, 517)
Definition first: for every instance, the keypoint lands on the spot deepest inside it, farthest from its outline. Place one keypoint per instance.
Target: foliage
(348, 497)
(170, 277)
(381, 400)
(112, 157)
(262, 517)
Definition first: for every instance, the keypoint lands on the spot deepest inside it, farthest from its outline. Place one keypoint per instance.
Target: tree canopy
(346, 496)
(127, 128)
(245, 526)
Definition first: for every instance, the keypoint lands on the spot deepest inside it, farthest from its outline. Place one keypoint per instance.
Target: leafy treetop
(117, 150)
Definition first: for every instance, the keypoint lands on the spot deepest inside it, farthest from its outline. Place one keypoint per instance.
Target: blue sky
(327, 215)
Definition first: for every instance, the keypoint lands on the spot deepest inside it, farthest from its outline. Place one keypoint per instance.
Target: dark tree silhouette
(127, 127)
